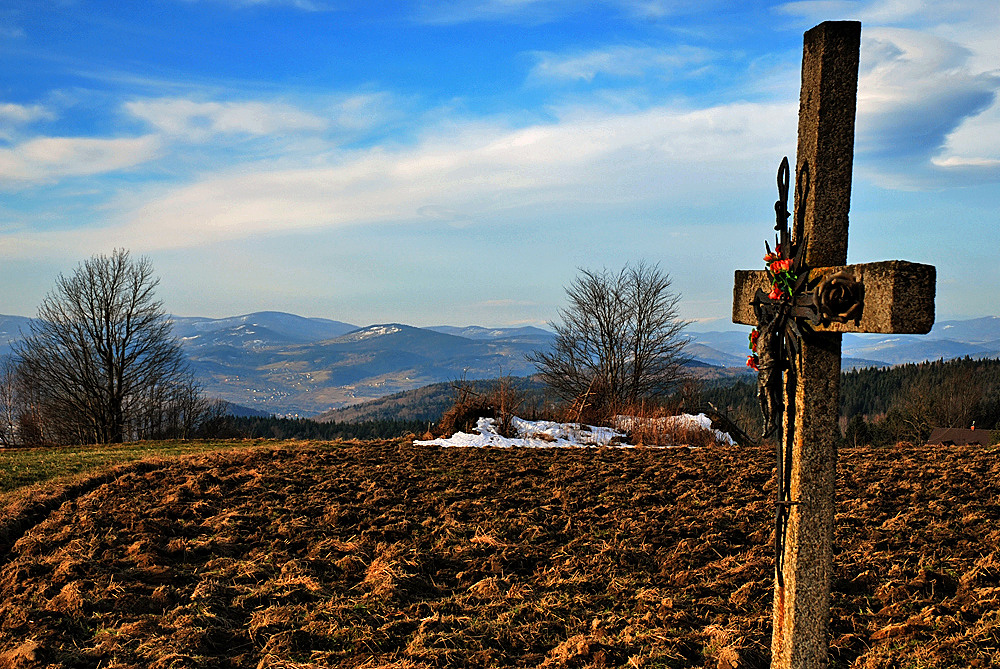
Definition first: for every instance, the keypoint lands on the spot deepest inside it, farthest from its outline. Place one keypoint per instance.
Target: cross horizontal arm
(898, 296)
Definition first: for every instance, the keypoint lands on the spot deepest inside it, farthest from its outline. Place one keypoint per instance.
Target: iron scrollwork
(785, 316)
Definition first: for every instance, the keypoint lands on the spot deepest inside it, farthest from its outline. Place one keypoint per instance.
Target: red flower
(781, 265)
(754, 336)
(776, 293)
(752, 362)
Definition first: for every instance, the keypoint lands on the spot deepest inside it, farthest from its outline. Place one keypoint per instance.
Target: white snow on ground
(547, 434)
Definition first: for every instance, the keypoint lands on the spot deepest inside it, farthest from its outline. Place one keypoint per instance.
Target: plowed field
(393, 555)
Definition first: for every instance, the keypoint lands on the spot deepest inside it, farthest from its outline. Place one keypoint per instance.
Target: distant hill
(284, 364)
(975, 338)
(11, 329)
(427, 403)
(526, 334)
(269, 361)
(241, 411)
(264, 328)
(430, 402)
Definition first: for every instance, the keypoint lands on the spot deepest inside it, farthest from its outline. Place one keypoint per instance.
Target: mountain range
(976, 338)
(286, 364)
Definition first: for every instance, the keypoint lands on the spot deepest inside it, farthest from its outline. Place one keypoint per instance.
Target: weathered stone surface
(899, 296)
(825, 153)
(802, 609)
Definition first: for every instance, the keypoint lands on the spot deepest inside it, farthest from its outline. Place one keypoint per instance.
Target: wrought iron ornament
(785, 315)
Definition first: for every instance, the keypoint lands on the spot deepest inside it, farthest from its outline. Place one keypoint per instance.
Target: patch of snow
(547, 434)
(540, 433)
(377, 331)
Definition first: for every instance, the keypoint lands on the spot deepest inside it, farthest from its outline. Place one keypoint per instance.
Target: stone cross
(898, 297)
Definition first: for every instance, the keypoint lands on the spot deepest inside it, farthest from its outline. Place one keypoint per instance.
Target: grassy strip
(35, 481)
(25, 467)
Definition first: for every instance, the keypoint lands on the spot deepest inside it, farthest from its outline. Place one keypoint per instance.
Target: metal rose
(839, 298)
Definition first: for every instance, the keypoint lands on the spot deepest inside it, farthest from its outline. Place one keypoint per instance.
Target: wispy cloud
(505, 303)
(305, 5)
(915, 91)
(621, 61)
(8, 30)
(535, 11)
(465, 174)
(200, 120)
(463, 11)
(50, 158)
(12, 115)
(875, 11)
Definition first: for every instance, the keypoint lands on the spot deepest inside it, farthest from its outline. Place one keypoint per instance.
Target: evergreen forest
(878, 406)
(882, 406)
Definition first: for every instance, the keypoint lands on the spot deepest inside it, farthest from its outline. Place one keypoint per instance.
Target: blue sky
(456, 162)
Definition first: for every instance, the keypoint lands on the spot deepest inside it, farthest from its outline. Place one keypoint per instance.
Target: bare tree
(618, 342)
(9, 401)
(101, 356)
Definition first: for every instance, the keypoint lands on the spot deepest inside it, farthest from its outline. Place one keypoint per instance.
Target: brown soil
(392, 555)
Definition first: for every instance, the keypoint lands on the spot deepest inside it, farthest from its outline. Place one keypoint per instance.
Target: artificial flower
(781, 265)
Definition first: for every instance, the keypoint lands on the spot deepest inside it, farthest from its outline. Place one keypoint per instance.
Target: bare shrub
(593, 406)
(507, 398)
(660, 426)
(500, 399)
(469, 406)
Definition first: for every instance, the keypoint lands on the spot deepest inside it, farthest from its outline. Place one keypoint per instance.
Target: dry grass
(659, 426)
(391, 555)
(501, 400)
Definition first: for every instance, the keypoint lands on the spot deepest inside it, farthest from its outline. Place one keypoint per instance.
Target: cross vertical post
(824, 159)
(814, 298)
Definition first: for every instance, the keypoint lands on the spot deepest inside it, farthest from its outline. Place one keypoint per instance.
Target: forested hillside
(878, 405)
(272, 427)
(894, 404)
(427, 404)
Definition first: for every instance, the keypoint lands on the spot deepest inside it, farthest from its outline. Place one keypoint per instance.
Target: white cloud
(14, 113)
(361, 111)
(50, 158)
(305, 5)
(616, 61)
(480, 171)
(914, 91)
(927, 107)
(461, 11)
(198, 121)
(879, 11)
(975, 143)
(535, 11)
